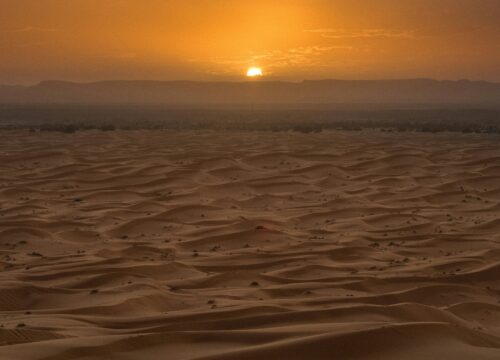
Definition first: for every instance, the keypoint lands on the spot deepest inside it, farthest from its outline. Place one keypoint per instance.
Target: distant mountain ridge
(258, 92)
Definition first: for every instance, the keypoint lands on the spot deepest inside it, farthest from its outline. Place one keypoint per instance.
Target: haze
(89, 40)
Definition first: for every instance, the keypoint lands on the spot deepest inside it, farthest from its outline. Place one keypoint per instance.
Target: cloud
(301, 56)
(424, 32)
(363, 33)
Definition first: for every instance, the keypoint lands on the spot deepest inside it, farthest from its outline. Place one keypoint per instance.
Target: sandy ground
(164, 245)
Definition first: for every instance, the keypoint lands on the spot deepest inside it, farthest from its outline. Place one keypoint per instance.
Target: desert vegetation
(71, 119)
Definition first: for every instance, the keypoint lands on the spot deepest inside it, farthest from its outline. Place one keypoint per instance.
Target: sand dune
(226, 245)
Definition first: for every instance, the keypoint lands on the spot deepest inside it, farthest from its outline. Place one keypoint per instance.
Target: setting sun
(254, 72)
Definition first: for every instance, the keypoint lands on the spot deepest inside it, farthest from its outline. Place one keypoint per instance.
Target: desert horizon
(258, 92)
(244, 79)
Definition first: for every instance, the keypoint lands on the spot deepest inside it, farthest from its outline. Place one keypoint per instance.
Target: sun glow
(254, 72)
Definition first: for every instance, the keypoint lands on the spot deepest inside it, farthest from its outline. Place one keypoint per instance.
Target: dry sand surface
(211, 245)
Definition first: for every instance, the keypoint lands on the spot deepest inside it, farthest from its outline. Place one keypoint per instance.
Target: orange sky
(86, 40)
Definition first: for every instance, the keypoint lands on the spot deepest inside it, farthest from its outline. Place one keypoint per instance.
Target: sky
(217, 40)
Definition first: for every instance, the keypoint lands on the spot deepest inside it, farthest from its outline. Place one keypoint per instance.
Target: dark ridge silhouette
(415, 91)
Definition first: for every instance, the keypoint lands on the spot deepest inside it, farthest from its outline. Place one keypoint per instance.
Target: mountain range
(413, 91)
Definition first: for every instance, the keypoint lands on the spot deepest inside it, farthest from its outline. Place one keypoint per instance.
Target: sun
(254, 72)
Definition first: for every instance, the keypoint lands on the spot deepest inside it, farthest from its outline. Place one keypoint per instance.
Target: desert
(202, 244)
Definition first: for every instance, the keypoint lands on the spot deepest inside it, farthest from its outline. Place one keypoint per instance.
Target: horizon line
(243, 81)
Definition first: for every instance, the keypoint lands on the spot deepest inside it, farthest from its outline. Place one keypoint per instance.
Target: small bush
(69, 129)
